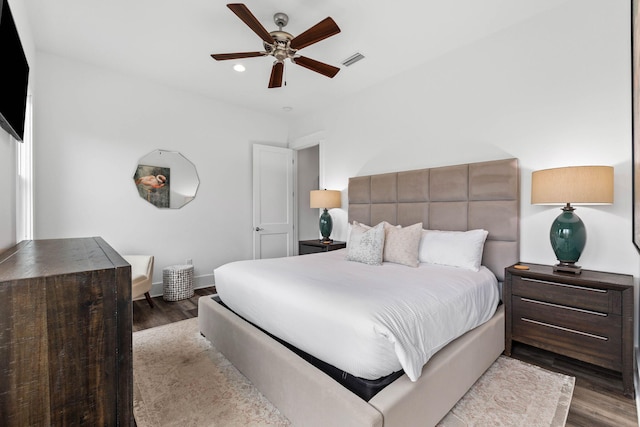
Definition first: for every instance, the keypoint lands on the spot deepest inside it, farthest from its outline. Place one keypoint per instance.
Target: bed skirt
(309, 397)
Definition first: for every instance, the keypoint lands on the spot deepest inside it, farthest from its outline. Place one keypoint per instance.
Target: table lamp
(586, 185)
(325, 199)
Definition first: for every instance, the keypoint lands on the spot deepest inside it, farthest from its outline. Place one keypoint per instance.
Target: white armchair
(141, 275)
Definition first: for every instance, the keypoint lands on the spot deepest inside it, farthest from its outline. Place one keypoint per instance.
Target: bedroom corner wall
(92, 126)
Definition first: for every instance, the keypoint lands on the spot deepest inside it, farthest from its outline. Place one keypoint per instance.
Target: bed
(472, 196)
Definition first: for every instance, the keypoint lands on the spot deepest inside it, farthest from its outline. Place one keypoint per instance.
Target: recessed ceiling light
(239, 68)
(287, 108)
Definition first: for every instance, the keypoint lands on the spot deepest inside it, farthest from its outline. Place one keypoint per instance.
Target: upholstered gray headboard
(461, 197)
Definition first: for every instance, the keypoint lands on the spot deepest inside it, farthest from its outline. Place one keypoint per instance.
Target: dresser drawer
(600, 300)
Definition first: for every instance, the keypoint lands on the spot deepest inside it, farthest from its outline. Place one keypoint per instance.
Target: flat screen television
(14, 76)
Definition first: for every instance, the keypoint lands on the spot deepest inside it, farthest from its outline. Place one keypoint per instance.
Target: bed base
(307, 396)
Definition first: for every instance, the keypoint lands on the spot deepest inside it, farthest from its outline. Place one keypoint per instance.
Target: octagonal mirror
(166, 179)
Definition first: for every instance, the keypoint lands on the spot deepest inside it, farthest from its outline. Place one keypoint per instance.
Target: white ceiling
(169, 41)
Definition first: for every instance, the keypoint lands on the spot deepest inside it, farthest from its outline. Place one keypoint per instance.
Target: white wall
(92, 126)
(553, 91)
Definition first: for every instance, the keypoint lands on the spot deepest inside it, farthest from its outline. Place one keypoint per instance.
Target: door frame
(310, 140)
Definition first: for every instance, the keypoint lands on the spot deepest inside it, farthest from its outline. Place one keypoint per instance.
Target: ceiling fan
(282, 45)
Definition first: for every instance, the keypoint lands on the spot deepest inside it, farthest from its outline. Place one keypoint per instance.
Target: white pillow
(461, 249)
(366, 244)
(401, 244)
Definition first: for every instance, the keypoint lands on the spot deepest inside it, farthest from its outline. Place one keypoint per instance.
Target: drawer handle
(581, 310)
(586, 334)
(584, 288)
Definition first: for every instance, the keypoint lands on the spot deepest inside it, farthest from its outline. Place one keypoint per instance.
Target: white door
(272, 201)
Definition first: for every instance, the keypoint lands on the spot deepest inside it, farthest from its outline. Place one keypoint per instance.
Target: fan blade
(225, 56)
(322, 30)
(276, 75)
(317, 66)
(247, 17)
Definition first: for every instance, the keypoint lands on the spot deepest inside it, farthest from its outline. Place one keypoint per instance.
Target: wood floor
(597, 397)
(164, 312)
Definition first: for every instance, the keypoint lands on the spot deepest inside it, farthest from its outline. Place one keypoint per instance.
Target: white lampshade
(325, 199)
(590, 185)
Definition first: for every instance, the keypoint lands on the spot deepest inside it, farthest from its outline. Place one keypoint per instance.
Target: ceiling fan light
(239, 68)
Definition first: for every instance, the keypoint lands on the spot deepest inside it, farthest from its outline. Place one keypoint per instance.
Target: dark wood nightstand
(588, 316)
(315, 246)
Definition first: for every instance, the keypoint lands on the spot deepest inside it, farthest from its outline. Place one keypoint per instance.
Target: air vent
(353, 59)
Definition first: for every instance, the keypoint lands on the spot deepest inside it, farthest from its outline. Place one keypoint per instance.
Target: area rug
(180, 379)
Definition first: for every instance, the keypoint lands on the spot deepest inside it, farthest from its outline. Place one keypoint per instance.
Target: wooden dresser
(65, 334)
(588, 316)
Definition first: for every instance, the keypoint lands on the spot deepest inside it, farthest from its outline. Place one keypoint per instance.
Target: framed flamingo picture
(153, 184)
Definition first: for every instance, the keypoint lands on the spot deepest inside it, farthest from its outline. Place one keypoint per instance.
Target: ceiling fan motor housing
(280, 48)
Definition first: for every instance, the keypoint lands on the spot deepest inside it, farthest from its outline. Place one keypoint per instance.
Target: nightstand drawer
(581, 321)
(600, 350)
(307, 249)
(600, 300)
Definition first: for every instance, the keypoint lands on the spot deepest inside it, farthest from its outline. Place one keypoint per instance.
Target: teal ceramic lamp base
(568, 237)
(326, 226)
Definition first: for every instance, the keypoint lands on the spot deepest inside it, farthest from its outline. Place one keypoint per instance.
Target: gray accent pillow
(366, 244)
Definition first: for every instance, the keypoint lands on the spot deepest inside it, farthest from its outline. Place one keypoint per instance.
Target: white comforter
(366, 320)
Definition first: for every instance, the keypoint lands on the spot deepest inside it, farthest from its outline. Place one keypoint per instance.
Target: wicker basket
(177, 282)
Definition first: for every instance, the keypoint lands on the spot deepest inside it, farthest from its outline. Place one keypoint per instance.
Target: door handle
(259, 229)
